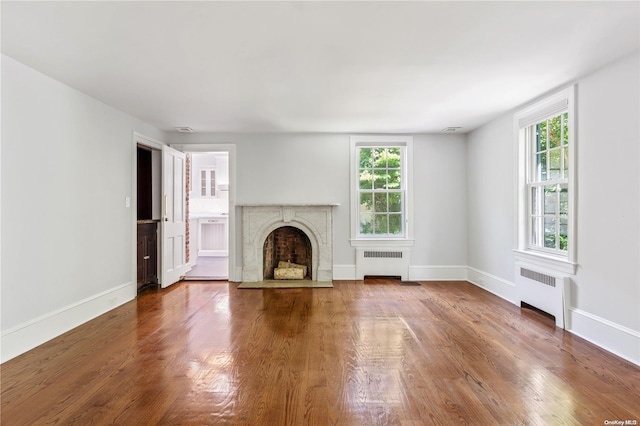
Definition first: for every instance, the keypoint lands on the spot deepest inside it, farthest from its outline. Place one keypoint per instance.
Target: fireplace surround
(314, 220)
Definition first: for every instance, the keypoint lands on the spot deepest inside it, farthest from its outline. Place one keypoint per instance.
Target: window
(546, 210)
(207, 183)
(380, 191)
(380, 183)
(548, 184)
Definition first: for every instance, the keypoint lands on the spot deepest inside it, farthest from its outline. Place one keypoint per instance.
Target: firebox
(287, 245)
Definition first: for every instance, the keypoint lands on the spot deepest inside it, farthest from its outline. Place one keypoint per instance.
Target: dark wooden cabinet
(147, 253)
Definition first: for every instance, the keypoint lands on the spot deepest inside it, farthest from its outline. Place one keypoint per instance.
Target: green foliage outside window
(380, 195)
(549, 202)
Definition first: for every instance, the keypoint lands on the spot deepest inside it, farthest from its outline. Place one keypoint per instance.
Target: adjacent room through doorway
(208, 215)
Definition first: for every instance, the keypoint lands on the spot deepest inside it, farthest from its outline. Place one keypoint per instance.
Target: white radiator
(543, 290)
(385, 262)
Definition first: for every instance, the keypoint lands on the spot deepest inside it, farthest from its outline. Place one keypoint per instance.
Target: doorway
(174, 254)
(207, 207)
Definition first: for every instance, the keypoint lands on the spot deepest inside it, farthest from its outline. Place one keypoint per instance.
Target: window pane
(366, 180)
(366, 223)
(380, 203)
(541, 136)
(555, 129)
(393, 158)
(381, 224)
(550, 199)
(541, 167)
(536, 227)
(564, 200)
(395, 202)
(563, 233)
(565, 154)
(394, 179)
(536, 200)
(555, 164)
(565, 128)
(366, 202)
(550, 232)
(395, 224)
(379, 179)
(366, 158)
(379, 158)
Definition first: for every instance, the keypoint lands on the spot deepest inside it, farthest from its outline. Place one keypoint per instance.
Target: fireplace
(288, 245)
(308, 227)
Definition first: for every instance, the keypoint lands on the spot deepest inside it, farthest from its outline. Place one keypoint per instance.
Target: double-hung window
(548, 185)
(546, 189)
(380, 187)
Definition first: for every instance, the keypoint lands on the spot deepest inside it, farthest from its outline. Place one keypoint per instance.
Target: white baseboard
(344, 272)
(612, 337)
(416, 273)
(438, 273)
(26, 336)
(237, 276)
(496, 285)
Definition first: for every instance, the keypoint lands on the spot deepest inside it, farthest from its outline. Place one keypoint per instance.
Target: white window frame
(551, 106)
(393, 141)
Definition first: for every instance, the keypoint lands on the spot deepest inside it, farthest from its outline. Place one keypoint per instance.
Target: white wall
(67, 236)
(440, 209)
(605, 295)
(314, 168)
(491, 199)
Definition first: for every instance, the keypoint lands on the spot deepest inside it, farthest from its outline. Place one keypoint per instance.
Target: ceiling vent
(451, 129)
(184, 129)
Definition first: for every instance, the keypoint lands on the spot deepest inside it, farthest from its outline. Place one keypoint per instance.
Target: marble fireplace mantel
(259, 220)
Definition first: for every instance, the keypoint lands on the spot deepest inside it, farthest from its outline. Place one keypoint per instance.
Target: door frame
(235, 274)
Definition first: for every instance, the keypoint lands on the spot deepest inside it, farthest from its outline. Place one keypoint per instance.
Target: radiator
(382, 262)
(213, 238)
(543, 290)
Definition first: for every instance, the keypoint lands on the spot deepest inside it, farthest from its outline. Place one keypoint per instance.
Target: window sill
(381, 242)
(546, 261)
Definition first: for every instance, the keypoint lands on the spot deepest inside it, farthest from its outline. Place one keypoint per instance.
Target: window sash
(548, 208)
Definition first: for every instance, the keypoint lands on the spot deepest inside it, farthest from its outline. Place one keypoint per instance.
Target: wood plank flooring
(358, 354)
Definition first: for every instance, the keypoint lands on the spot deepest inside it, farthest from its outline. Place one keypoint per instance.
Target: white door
(172, 226)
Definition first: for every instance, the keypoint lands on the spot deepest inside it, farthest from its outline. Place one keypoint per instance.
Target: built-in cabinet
(147, 257)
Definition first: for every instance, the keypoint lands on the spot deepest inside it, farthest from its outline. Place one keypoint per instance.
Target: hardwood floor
(358, 354)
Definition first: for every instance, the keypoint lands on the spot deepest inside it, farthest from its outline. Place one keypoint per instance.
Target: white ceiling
(385, 67)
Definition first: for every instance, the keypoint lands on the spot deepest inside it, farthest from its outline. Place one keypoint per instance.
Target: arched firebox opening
(288, 245)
